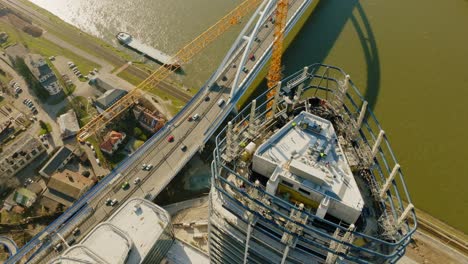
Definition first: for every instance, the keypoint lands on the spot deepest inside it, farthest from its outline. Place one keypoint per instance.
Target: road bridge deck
(167, 157)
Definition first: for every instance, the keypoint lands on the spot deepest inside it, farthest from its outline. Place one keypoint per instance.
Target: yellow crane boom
(274, 72)
(182, 57)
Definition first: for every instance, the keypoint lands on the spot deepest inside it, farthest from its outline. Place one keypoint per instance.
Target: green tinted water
(409, 58)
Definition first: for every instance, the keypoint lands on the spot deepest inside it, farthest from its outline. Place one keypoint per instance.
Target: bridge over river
(237, 72)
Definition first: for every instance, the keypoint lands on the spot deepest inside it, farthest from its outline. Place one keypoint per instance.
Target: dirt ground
(186, 233)
(427, 250)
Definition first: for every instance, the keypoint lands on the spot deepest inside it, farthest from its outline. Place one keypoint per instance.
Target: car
(196, 116)
(71, 242)
(183, 148)
(58, 247)
(136, 181)
(92, 147)
(252, 57)
(190, 119)
(88, 143)
(220, 102)
(125, 185)
(143, 167)
(108, 201)
(245, 70)
(170, 138)
(25, 101)
(113, 202)
(76, 232)
(149, 167)
(207, 98)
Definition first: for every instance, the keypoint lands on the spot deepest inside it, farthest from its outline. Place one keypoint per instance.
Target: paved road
(46, 113)
(168, 157)
(9, 244)
(76, 40)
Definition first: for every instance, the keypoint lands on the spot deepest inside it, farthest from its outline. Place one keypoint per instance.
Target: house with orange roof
(112, 142)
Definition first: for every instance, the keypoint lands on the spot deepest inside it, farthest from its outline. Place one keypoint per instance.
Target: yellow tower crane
(274, 73)
(181, 57)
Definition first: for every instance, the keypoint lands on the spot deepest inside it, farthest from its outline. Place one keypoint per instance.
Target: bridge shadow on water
(312, 44)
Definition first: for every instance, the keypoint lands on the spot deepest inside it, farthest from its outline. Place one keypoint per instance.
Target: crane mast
(274, 72)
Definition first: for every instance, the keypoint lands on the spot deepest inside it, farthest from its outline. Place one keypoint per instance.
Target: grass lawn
(4, 77)
(57, 21)
(130, 77)
(9, 217)
(44, 47)
(176, 103)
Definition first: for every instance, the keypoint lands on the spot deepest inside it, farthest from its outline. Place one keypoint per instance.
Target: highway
(167, 157)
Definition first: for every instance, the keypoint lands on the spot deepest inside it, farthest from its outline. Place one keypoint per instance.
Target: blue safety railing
(317, 76)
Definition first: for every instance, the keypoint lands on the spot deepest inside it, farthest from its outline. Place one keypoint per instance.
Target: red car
(170, 138)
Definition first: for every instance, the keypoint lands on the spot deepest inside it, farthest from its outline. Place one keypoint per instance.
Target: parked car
(183, 148)
(220, 102)
(196, 117)
(137, 181)
(170, 138)
(113, 202)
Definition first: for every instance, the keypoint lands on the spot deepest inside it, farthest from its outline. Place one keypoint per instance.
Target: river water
(409, 58)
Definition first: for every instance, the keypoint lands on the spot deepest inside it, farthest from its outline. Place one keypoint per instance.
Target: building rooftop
(143, 221)
(68, 124)
(56, 160)
(111, 139)
(69, 182)
(306, 152)
(105, 234)
(110, 97)
(126, 237)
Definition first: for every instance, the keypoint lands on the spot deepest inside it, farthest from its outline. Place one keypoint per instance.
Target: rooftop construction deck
(308, 175)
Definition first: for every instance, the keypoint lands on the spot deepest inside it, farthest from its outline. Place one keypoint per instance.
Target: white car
(137, 181)
(113, 202)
